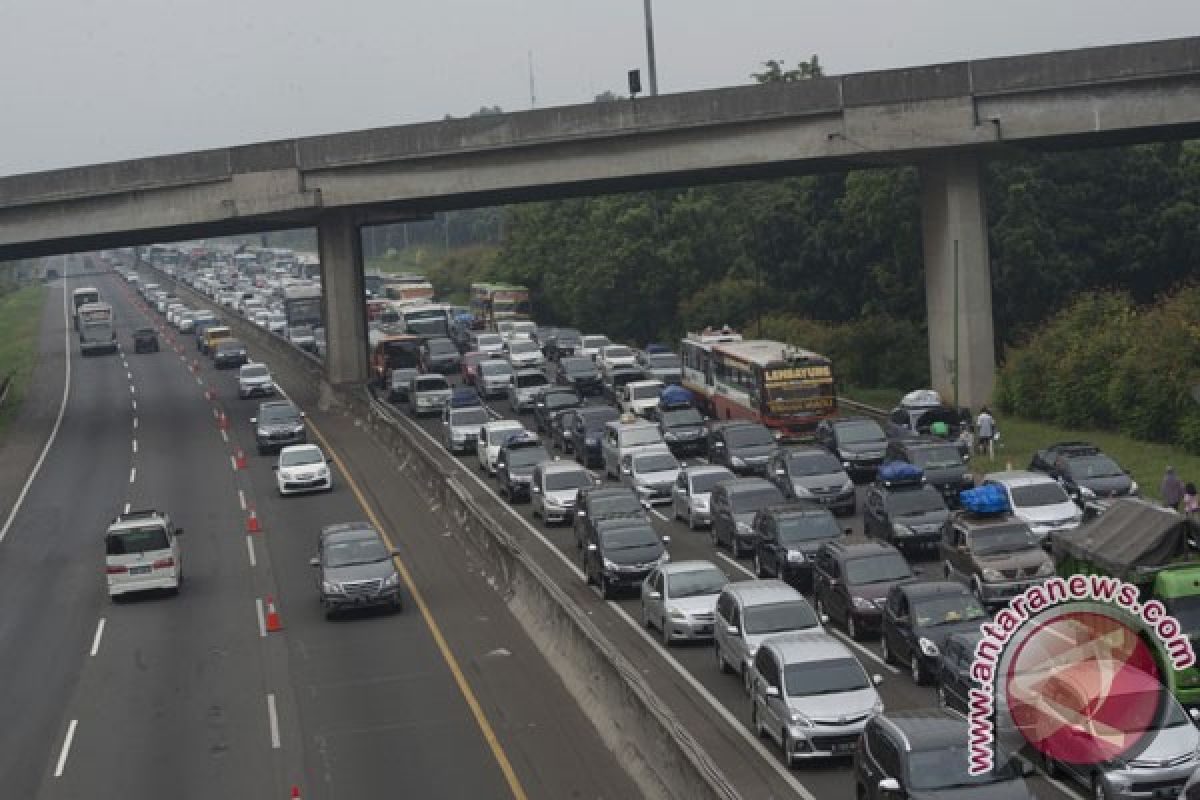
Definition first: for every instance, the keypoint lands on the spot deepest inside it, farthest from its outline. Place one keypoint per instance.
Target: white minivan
(141, 552)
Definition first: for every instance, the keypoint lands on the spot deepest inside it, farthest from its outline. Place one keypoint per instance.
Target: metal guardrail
(4, 387)
(863, 408)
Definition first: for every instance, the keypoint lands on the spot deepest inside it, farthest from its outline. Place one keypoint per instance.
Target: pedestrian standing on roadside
(985, 429)
(1171, 489)
(1191, 503)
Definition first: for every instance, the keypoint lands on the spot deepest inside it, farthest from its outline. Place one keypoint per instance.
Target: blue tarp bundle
(895, 472)
(464, 397)
(675, 396)
(988, 499)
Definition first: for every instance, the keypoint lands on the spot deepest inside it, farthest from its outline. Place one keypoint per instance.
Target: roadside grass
(20, 320)
(1020, 438)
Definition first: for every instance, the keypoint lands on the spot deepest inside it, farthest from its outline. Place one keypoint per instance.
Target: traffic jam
(823, 568)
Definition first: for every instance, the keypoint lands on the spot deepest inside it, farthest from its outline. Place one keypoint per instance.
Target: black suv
(602, 502)
(851, 581)
(440, 355)
(514, 465)
(909, 516)
(618, 378)
(1084, 471)
(733, 505)
(277, 425)
(581, 374)
(858, 442)
(954, 679)
(923, 753)
(682, 428)
(620, 552)
(741, 447)
(918, 618)
(942, 462)
(812, 474)
(788, 538)
(564, 343)
(230, 353)
(587, 434)
(145, 340)
(554, 401)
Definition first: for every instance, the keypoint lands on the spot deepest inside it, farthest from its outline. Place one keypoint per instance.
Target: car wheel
(605, 588)
(722, 666)
(397, 605)
(759, 572)
(851, 627)
(888, 656)
(665, 632)
(755, 722)
(917, 671)
(787, 749)
(946, 570)
(944, 702)
(977, 589)
(713, 537)
(1098, 790)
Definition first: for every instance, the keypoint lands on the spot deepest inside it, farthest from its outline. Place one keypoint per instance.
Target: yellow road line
(510, 775)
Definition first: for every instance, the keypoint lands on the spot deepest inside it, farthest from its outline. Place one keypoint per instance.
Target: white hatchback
(302, 468)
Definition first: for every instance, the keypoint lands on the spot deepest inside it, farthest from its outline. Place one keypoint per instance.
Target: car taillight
(164, 563)
(117, 570)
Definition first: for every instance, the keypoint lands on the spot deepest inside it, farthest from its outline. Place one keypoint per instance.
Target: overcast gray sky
(85, 81)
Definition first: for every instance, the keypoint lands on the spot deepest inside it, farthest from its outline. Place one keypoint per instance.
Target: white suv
(491, 437)
(141, 552)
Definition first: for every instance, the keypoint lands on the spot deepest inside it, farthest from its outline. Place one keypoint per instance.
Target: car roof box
(674, 397)
(464, 397)
(901, 473)
(987, 499)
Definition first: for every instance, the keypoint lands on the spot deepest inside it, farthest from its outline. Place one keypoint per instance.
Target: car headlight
(260, 431)
(670, 436)
(610, 565)
(877, 708)
(863, 604)
(1086, 492)
(902, 530)
(744, 528)
(298, 429)
(675, 613)
(968, 477)
(1046, 569)
(800, 720)
(1133, 487)
(991, 575)
(737, 461)
(795, 556)
(330, 588)
(591, 441)
(927, 647)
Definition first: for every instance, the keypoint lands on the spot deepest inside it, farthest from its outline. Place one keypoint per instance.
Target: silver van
(749, 612)
(625, 436)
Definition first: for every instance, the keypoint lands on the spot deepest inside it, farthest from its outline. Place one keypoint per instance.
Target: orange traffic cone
(252, 523)
(273, 623)
(240, 458)
(295, 793)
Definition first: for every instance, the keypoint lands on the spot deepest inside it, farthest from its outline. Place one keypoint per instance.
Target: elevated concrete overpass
(945, 118)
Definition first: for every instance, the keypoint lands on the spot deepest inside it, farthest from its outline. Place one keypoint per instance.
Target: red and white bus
(788, 389)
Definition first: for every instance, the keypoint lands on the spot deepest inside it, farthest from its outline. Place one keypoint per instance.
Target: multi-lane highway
(189, 695)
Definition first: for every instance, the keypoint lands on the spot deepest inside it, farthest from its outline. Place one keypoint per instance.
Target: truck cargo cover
(1131, 533)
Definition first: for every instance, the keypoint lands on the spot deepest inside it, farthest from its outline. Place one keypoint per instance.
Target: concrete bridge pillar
(343, 307)
(953, 217)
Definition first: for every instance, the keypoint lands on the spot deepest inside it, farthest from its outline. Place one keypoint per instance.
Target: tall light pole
(651, 68)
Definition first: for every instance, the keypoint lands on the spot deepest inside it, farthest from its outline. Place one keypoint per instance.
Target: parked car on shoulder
(1084, 471)
(1038, 500)
(680, 600)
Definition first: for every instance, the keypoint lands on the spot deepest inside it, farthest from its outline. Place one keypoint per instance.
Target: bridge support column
(343, 308)
(954, 230)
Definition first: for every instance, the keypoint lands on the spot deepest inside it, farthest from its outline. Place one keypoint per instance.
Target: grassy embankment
(1019, 438)
(20, 320)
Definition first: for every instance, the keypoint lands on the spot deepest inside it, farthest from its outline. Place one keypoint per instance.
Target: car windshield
(695, 582)
(489, 340)
(1186, 610)
(519, 346)
(492, 367)
(946, 609)
(683, 417)
(286, 413)
(595, 341)
(703, 482)
(940, 457)
(557, 400)
(346, 551)
(794, 529)
(882, 568)
(468, 416)
(527, 456)
(499, 435)
(618, 503)
(595, 419)
(442, 347)
(655, 462)
(946, 767)
(618, 351)
(568, 338)
(1039, 494)
(136, 540)
(473, 358)
(432, 383)
(859, 431)
(301, 456)
(1003, 539)
(663, 361)
(807, 464)
(255, 372)
(791, 615)
(751, 500)
(577, 366)
(573, 479)
(628, 538)
(302, 330)
(645, 392)
(1094, 467)
(912, 502)
(230, 346)
(533, 379)
(748, 436)
(828, 676)
(640, 436)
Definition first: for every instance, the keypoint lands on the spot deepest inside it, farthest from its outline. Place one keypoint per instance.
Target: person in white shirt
(985, 430)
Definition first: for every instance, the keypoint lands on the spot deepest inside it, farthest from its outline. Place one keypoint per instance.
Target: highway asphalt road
(188, 696)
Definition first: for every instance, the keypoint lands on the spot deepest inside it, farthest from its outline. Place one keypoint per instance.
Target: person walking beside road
(1171, 489)
(985, 429)
(1191, 503)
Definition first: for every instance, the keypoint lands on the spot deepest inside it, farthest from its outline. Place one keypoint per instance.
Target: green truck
(1155, 549)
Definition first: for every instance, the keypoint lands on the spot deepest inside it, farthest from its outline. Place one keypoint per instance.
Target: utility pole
(956, 361)
(651, 67)
(532, 94)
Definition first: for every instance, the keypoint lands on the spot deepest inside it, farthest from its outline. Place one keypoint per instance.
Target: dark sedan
(918, 618)
(552, 403)
(229, 353)
(581, 374)
(588, 433)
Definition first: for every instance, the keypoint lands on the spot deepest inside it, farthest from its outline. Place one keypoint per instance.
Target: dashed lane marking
(250, 551)
(242, 499)
(273, 721)
(262, 620)
(96, 638)
(132, 474)
(66, 749)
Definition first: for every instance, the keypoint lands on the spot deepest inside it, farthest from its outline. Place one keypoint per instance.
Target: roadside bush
(876, 350)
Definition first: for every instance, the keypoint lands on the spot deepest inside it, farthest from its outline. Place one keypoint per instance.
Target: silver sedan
(690, 495)
(680, 599)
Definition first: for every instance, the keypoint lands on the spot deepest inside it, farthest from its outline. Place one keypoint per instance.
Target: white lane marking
(273, 719)
(1062, 787)
(132, 389)
(735, 564)
(132, 474)
(127, 508)
(96, 638)
(232, 460)
(66, 749)
(135, 405)
(129, 375)
(62, 409)
(250, 551)
(242, 499)
(262, 621)
(135, 445)
(657, 513)
(698, 687)
(225, 436)
(198, 381)
(864, 650)
(135, 423)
